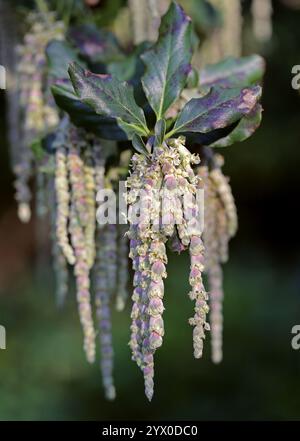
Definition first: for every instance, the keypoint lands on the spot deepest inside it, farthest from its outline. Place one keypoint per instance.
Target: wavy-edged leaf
(244, 129)
(96, 45)
(168, 62)
(109, 97)
(233, 72)
(218, 109)
(83, 115)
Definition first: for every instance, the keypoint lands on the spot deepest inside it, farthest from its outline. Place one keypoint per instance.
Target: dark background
(43, 373)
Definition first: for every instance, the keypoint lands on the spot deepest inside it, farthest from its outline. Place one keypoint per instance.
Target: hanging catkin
(226, 39)
(38, 115)
(122, 276)
(102, 301)
(212, 264)
(168, 174)
(220, 226)
(63, 203)
(59, 260)
(81, 271)
(262, 19)
(90, 190)
(145, 16)
(102, 276)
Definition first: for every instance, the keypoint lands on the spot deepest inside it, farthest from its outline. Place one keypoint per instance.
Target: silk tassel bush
(168, 172)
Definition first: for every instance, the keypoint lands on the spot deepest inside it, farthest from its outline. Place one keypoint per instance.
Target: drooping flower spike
(220, 226)
(168, 174)
(38, 112)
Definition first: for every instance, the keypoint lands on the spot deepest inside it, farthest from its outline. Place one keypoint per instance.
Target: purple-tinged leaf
(83, 115)
(218, 109)
(245, 128)
(233, 72)
(96, 45)
(168, 62)
(109, 97)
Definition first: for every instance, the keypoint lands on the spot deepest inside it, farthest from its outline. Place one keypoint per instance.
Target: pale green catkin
(226, 39)
(262, 11)
(90, 189)
(225, 194)
(212, 263)
(59, 260)
(76, 175)
(81, 271)
(38, 115)
(220, 225)
(63, 202)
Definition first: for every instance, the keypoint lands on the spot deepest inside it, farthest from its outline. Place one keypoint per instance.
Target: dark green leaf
(245, 128)
(109, 97)
(168, 62)
(233, 72)
(83, 115)
(218, 109)
(160, 131)
(139, 146)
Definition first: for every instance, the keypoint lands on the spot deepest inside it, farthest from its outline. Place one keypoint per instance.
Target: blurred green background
(43, 373)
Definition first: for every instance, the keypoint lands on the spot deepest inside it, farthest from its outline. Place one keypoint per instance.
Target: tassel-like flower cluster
(162, 206)
(102, 301)
(75, 195)
(38, 111)
(220, 226)
(122, 265)
(81, 272)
